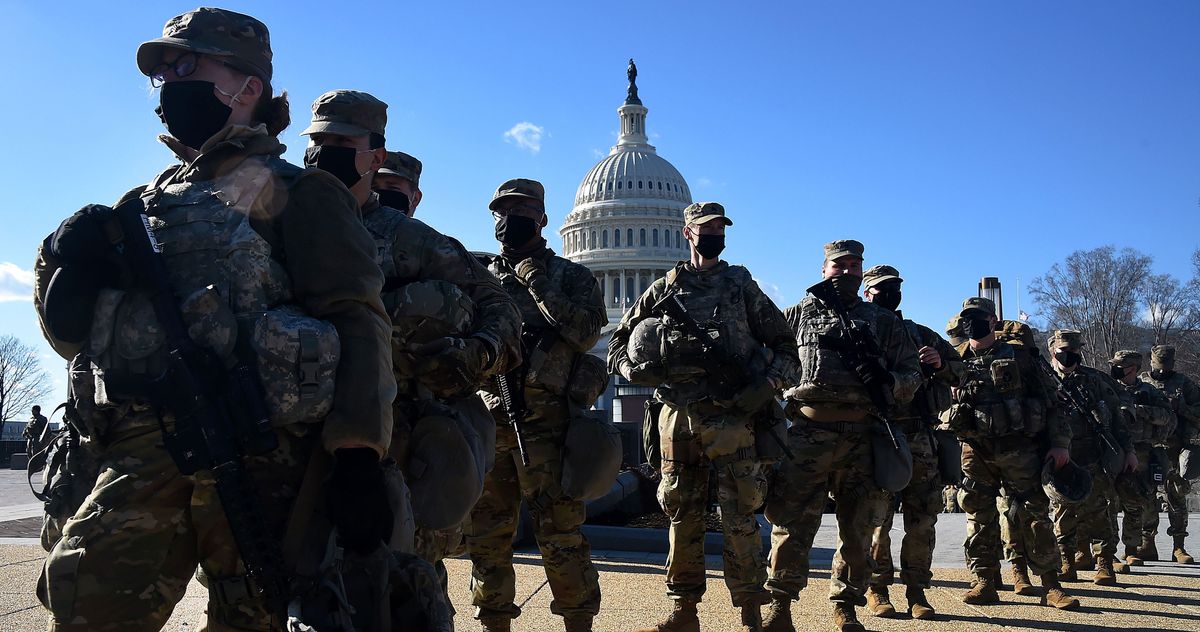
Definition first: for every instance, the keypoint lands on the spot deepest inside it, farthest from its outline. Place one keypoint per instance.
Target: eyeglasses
(183, 66)
(526, 211)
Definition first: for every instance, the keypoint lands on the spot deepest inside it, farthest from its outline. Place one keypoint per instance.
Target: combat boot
(752, 618)
(779, 616)
(578, 623)
(682, 619)
(878, 602)
(1104, 571)
(844, 619)
(983, 592)
(918, 605)
(496, 624)
(1085, 561)
(998, 579)
(1021, 584)
(1148, 551)
(1131, 557)
(1180, 554)
(1055, 595)
(1068, 573)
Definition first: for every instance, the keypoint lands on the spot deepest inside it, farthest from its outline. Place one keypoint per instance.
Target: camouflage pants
(566, 555)
(1177, 489)
(1136, 494)
(827, 462)
(950, 499)
(1019, 469)
(434, 546)
(921, 503)
(126, 557)
(1090, 517)
(693, 441)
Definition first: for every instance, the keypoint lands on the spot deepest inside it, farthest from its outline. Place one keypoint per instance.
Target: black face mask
(1117, 372)
(337, 161)
(847, 286)
(191, 112)
(710, 246)
(1068, 359)
(394, 199)
(976, 328)
(515, 231)
(1160, 374)
(887, 299)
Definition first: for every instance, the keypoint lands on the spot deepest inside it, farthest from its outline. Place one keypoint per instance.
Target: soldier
(34, 430)
(707, 417)
(398, 182)
(1184, 396)
(1151, 422)
(833, 417)
(941, 368)
(272, 264)
(421, 265)
(563, 311)
(950, 499)
(1004, 406)
(1092, 409)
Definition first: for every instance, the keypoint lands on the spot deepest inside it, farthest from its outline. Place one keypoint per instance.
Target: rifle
(857, 346)
(730, 374)
(1076, 400)
(220, 415)
(514, 407)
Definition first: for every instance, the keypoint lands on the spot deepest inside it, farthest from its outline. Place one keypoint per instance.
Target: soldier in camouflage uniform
(941, 368)
(1184, 396)
(563, 311)
(1005, 405)
(421, 264)
(833, 419)
(704, 424)
(1091, 431)
(950, 499)
(251, 243)
(398, 182)
(1151, 422)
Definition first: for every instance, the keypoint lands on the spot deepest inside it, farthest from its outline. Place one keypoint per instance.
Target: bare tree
(1172, 308)
(23, 383)
(1096, 292)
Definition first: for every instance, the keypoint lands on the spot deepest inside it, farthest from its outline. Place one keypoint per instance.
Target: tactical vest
(932, 397)
(824, 375)
(1187, 430)
(1148, 424)
(235, 298)
(1086, 438)
(992, 398)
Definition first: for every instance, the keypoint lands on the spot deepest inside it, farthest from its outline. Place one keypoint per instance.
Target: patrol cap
(1162, 357)
(843, 248)
(241, 40)
(954, 326)
(978, 304)
(701, 212)
(1126, 357)
(1065, 339)
(401, 164)
(347, 113)
(880, 274)
(519, 188)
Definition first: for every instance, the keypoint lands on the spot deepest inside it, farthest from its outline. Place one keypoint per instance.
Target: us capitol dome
(627, 222)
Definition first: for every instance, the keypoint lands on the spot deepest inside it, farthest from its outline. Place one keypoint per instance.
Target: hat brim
(704, 219)
(834, 256)
(393, 172)
(149, 53)
(335, 127)
(514, 194)
(974, 310)
(873, 281)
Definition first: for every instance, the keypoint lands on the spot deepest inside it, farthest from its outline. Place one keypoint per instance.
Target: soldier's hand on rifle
(756, 395)
(529, 268)
(874, 375)
(452, 364)
(1060, 456)
(929, 355)
(358, 500)
(1131, 463)
(644, 374)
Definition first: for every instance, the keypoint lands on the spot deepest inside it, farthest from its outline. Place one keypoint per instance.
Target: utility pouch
(297, 359)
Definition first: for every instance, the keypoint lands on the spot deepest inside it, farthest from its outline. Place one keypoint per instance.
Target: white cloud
(598, 153)
(526, 135)
(772, 290)
(704, 182)
(16, 284)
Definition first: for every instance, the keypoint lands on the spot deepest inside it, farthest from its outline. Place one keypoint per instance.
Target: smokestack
(989, 288)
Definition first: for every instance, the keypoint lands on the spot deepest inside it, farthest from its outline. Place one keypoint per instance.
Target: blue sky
(955, 139)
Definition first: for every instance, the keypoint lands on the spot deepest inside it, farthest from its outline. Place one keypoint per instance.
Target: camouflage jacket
(934, 394)
(726, 300)
(409, 251)
(1148, 414)
(1184, 396)
(1104, 406)
(562, 312)
(1002, 394)
(321, 260)
(825, 377)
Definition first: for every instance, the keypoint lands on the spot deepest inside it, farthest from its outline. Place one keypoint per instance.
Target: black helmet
(1067, 485)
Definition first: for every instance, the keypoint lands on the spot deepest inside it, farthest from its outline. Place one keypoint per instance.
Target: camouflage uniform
(950, 499)
(400, 179)
(277, 245)
(33, 432)
(832, 421)
(561, 304)
(700, 428)
(1148, 415)
(997, 424)
(1184, 396)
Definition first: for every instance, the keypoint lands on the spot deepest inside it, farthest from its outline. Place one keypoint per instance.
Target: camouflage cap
(1126, 357)
(347, 113)
(843, 248)
(519, 188)
(1065, 339)
(880, 274)
(401, 164)
(242, 40)
(701, 212)
(1162, 357)
(978, 304)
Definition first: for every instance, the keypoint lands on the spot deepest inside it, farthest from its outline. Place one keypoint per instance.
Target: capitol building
(627, 227)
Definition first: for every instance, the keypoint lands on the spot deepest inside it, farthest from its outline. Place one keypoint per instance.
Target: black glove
(80, 238)
(874, 375)
(358, 500)
(1142, 398)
